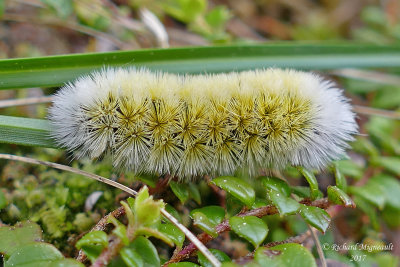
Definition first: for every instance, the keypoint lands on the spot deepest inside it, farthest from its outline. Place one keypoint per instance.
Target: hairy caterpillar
(191, 125)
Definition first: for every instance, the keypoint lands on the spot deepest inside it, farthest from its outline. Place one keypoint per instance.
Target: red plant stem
(115, 245)
(185, 253)
(101, 226)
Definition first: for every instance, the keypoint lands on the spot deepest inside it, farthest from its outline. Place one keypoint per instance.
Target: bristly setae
(191, 125)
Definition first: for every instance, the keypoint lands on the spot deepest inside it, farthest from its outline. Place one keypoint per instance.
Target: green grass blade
(56, 70)
(24, 131)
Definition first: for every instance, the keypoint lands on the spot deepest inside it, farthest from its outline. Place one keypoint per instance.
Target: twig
(214, 261)
(373, 76)
(318, 245)
(182, 37)
(100, 226)
(377, 112)
(115, 244)
(25, 101)
(299, 239)
(224, 226)
(155, 26)
(195, 241)
(160, 186)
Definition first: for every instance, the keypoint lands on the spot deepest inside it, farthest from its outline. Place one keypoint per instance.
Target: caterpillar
(192, 125)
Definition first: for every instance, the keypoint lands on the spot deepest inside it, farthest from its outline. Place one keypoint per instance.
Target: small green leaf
(149, 214)
(371, 191)
(312, 181)
(337, 196)
(131, 257)
(349, 168)
(284, 204)
(117, 262)
(119, 230)
(173, 233)
(92, 244)
(147, 251)
(63, 8)
(128, 211)
(391, 217)
(364, 145)
(171, 210)
(214, 213)
(201, 220)
(131, 202)
(237, 187)
(142, 195)
(341, 182)
(301, 191)
(194, 193)
(99, 20)
(382, 131)
(387, 97)
(316, 217)
(221, 256)
(147, 211)
(232, 264)
(34, 254)
(64, 263)
(2, 7)
(387, 259)
(13, 237)
(146, 231)
(391, 189)
(250, 228)
(3, 200)
(185, 10)
(148, 179)
(260, 202)
(217, 17)
(390, 163)
(180, 190)
(368, 209)
(94, 237)
(291, 255)
(273, 183)
(183, 264)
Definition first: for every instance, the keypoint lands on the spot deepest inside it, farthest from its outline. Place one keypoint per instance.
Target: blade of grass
(373, 76)
(25, 131)
(56, 70)
(25, 101)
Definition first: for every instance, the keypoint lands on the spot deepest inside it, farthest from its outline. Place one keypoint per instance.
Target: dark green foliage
(221, 256)
(316, 217)
(250, 228)
(22, 246)
(54, 199)
(237, 188)
(290, 255)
